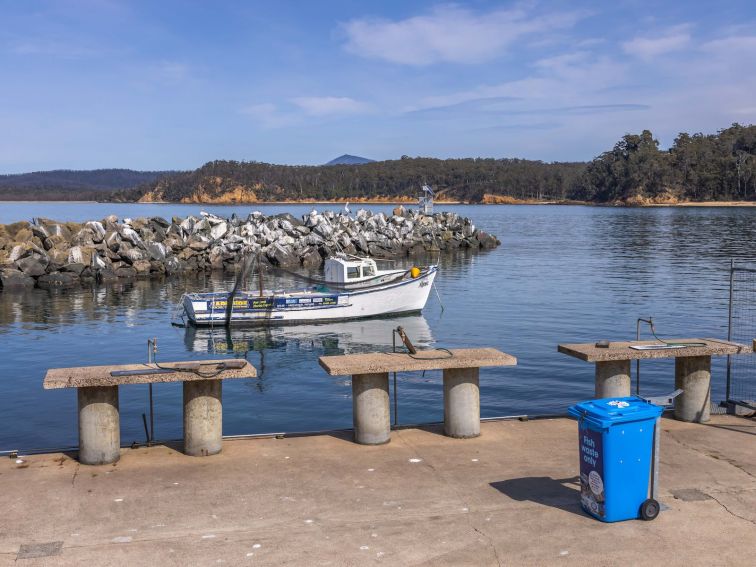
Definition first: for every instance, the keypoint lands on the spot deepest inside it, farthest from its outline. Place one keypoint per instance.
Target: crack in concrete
(730, 511)
(490, 542)
(705, 453)
(75, 474)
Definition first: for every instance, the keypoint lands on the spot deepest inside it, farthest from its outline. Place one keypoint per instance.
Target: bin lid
(606, 412)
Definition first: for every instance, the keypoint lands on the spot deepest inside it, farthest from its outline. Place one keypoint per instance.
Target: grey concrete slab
(379, 362)
(508, 497)
(620, 350)
(95, 376)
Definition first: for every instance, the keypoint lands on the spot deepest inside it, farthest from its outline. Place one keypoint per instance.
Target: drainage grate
(32, 550)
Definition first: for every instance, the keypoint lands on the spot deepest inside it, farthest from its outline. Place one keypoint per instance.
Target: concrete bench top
(96, 376)
(379, 362)
(621, 350)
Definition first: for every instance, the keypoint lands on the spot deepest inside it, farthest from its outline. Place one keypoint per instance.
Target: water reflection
(345, 337)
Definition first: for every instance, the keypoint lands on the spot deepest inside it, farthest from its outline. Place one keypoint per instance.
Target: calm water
(562, 274)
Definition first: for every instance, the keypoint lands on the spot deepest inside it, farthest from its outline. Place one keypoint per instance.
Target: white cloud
(267, 115)
(51, 48)
(568, 79)
(329, 105)
(676, 38)
(737, 46)
(297, 110)
(449, 34)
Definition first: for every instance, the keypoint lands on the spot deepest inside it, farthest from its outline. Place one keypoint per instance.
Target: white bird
(346, 208)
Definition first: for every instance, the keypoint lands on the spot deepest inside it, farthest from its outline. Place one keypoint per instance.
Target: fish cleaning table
(99, 418)
(370, 387)
(692, 368)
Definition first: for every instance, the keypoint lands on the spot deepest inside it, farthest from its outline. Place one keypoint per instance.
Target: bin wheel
(649, 509)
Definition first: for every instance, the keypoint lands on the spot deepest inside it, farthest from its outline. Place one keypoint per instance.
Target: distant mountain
(346, 159)
(66, 184)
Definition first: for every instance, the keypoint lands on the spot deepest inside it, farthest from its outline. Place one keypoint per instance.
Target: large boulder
(15, 279)
(33, 265)
(311, 258)
(156, 250)
(126, 272)
(282, 255)
(58, 279)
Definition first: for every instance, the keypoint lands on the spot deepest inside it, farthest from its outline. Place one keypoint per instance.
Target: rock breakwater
(47, 253)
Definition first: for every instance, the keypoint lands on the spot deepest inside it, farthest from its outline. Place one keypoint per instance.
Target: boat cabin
(349, 269)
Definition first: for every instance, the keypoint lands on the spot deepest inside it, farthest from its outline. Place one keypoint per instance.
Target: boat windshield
(353, 272)
(368, 270)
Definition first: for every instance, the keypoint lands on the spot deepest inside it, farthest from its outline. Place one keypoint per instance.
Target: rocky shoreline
(47, 253)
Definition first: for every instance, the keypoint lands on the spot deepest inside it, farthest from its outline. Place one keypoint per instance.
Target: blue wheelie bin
(617, 449)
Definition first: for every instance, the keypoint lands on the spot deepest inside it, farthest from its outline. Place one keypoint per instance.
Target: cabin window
(367, 270)
(353, 272)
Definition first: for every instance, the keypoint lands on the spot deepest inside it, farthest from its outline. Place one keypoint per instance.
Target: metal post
(637, 361)
(396, 405)
(640, 320)
(655, 473)
(729, 328)
(151, 351)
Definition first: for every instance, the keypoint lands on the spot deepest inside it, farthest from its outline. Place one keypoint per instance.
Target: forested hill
(716, 167)
(65, 184)
(697, 167)
(455, 179)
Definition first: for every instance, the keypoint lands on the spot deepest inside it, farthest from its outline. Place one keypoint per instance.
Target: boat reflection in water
(346, 337)
(299, 346)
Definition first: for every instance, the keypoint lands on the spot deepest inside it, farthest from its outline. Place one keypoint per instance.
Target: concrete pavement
(508, 497)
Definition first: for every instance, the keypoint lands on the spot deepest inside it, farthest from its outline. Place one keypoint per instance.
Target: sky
(149, 85)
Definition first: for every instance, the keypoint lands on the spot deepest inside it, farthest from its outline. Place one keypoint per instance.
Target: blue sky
(174, 84)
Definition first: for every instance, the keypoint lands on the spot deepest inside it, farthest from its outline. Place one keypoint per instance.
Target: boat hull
(405, 296)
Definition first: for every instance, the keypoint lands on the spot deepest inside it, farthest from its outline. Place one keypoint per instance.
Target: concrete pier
(98, 401)
(693, 377)
(370, 409)
(99, 425)
(692, 367)
(508, 497)
(461, 402)
(370, 394)
(203, 418)
(613, 379)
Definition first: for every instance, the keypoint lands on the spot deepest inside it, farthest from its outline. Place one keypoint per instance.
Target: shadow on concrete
(544, 490)
(736, 428)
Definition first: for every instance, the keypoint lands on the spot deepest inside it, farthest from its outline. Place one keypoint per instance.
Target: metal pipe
(650, 322)
(729, 329)
(151, 352)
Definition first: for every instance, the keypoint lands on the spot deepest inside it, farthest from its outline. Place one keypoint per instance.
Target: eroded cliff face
(212, 191)
(236, 195)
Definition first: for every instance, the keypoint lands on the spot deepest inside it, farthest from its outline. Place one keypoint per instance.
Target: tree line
(697, 167)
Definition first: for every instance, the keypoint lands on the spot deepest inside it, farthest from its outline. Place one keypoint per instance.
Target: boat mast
(260, 276)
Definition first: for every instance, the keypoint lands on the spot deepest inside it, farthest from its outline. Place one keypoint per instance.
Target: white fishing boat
(353, 288)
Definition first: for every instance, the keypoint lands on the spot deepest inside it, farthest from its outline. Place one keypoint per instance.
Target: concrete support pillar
(370, 408)
(203, 417)
(99, 425)
(693, 377)
(613, 379)
(461, 402)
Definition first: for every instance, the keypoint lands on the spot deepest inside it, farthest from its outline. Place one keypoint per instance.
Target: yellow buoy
(415, 271)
